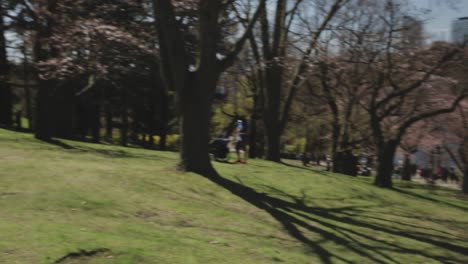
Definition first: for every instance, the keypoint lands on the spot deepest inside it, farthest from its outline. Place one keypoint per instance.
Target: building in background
(413, 32)
(460, 30)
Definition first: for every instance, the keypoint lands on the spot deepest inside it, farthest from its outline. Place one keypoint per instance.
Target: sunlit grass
(57, 200)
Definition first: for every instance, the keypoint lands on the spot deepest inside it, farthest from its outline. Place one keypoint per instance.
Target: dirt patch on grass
(145, 214)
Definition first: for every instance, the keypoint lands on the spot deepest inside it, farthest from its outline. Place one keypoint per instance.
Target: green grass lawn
(56, 200)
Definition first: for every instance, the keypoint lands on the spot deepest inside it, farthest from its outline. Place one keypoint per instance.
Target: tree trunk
(406, 170)
(124, 115)
(124, 127)
(6, 104)
(465, 181)
(253, 136)
(27, 89)
(164, 114)
(6, 94)
(272, 112)
(109, 122)
(335, 138)
(385, 158)
(45, 114)
(135, 127)
(273, 144)
(195, 125)
(95, 122)
(45, 125)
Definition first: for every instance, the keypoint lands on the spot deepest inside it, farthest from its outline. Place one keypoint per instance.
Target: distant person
(444, 174)
(305, 159)
(240, 136)
(453, 176)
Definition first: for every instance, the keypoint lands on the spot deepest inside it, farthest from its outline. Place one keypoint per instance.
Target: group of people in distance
(439, 172)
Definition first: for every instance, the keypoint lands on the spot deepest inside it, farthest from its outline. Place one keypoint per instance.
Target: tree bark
(27, 88)
(95, 122)
(45, 125)
(164, 117)
(273, 145)
(45, 114)
(335, 139)
(195, 119)
(386, 154)
(406, 170)
(274, 79)
(124, 116)
(63, 103)
(253, 136)
(465, 181)
(6, 94)
(109, 122)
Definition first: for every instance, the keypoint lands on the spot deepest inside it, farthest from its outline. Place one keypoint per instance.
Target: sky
(442, 12)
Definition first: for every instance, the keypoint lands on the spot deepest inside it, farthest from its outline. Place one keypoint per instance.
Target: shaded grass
(57, 200)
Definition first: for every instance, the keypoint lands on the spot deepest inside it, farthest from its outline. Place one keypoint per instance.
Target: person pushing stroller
(240, 137)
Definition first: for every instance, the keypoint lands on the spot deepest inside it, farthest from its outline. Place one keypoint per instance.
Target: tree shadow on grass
(57, 143)
(338, 225)
(120, 154)
(110, 153)
(319, 171)
(420, 196)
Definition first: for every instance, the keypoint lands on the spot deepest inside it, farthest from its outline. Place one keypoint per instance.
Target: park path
(456, 186)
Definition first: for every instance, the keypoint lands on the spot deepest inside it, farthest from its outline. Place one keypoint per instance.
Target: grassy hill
(85, 203)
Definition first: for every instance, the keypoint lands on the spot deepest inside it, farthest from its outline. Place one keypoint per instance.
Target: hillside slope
(128, 205)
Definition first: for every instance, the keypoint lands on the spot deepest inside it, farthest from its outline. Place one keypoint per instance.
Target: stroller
(221, 146)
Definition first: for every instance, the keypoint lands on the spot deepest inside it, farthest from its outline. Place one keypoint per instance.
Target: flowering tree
(450, 132)
(87, 54)
(397, 85)
(406, 87)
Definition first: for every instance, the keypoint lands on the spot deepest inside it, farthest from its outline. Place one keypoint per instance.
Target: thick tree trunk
(45, 114)
(27, 88)
(64, 104)
(195, 126)
(109, 122)
(135, 128)
(95, 122)
(124, 117)
(406, 170)
(385, 158)
(29, 107)
(45, 125)
(273, 144)
(253, 136)
(6, 103)
(164, 114)
(335, 138)
(124, 127)
(6, 94)
(81, 118)
(272, 112)
(465, 181)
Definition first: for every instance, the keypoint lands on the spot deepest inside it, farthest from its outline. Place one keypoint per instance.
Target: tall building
(460, 30)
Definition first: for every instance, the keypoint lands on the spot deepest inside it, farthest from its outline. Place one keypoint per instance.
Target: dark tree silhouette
(195, 84)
